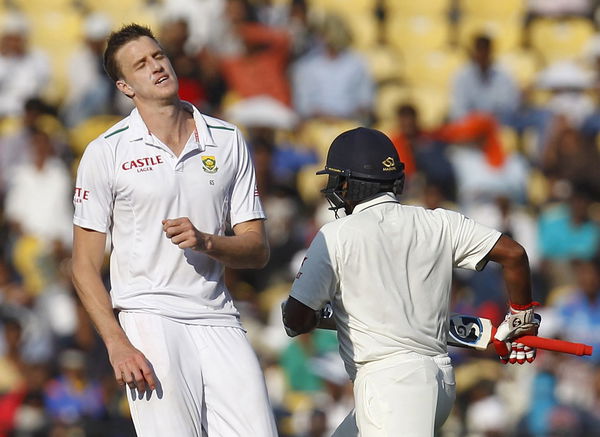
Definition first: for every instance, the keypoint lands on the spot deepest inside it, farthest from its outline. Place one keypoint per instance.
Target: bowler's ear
(125, 88)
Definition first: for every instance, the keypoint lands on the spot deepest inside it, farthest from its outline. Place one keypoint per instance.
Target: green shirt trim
(117, 131)
(220, 127)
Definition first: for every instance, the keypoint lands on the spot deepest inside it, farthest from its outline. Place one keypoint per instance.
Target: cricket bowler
(166, 182)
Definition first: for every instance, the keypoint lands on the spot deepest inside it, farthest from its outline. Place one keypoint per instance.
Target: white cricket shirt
(129, 181)
(387, 270)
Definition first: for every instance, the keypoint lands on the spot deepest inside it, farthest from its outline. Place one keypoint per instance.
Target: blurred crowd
(494, 107)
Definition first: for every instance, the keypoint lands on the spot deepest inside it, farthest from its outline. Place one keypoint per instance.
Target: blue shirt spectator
(562, 236)
(579, 311)
(483, 86)
(334, 82)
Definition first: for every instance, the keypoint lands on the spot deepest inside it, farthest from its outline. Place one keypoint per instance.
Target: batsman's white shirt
(387, 270)
(129, 181)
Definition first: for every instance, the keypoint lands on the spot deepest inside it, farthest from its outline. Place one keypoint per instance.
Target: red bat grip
(551, 344)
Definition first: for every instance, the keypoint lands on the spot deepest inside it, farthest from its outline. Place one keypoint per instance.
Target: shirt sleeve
(245, 200)
(471, 241)
(316, 282)
(93, 197)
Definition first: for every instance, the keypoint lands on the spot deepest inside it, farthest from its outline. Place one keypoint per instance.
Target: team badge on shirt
(209, 164)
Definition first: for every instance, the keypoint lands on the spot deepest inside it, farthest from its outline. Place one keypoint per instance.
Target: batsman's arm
(298, 318)
(515, 267)
(129, 364)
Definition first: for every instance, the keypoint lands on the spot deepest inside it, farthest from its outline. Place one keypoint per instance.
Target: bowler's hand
(131, 367)
(182, 232)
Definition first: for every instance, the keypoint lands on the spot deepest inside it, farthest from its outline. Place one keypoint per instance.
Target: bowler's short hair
(118, 39)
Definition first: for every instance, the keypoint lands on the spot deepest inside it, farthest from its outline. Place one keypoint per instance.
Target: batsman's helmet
(367, 160)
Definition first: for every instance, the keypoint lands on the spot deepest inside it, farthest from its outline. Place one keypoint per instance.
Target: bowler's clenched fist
(184, 234)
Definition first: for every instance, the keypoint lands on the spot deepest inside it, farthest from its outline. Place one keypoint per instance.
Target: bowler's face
(146, 70)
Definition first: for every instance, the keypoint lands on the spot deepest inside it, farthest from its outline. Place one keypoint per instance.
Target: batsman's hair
(118, 39)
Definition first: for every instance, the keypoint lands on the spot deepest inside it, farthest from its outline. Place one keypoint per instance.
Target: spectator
(296, 359)
(317, 426)
(38, 201)
(24, 73)
(513, 220)
(259, 69)
(11, 360)
(15, 147)
(579, 310)
(482, 86)
(420, 152)
(174, 34)
(72, 397)
(566, 230)
(335, 82)
(567, 84)
(90, 92)
(569, 157)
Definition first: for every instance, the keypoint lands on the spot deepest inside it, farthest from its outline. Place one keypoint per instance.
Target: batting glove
(521, 320)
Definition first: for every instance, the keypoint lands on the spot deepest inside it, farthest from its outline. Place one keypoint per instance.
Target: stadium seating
(506, 33)
(417, 33)
(496, 9)
(384, 62)
(557, 39)
(434, 69)
(523, 65)
(416, 8)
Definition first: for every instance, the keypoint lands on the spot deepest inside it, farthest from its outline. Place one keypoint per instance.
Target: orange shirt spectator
(261, 70)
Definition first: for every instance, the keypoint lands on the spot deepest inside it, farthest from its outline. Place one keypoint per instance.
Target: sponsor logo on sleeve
(81, 195)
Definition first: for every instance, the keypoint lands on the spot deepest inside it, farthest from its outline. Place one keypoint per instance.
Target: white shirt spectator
(24, 73)
(39, 201)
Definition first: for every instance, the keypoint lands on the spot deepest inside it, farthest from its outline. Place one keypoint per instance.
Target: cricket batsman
(386, 268)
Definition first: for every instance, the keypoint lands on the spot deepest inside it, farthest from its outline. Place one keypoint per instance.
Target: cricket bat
(478, 332)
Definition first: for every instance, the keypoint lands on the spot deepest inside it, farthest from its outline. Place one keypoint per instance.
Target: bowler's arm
(129, 365)
(248, 248)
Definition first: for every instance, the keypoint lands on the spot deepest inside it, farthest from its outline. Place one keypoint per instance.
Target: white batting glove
(520, 320)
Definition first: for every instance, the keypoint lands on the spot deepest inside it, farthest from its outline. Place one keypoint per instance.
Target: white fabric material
(382, 389)
(128, 182)
(387, 271)
(38, 200)
(262, 111)
(209, 379)
(22, 77)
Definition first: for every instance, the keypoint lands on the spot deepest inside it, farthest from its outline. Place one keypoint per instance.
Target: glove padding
(517, 323)
(518, 353)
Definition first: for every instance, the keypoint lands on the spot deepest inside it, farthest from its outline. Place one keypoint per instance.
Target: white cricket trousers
(210, 382)
(408, 395)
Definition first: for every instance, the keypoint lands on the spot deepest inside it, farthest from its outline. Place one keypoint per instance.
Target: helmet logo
(389, 164)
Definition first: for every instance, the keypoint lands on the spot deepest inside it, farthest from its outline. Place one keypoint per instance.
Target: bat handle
(549, 344)
(552, 344)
